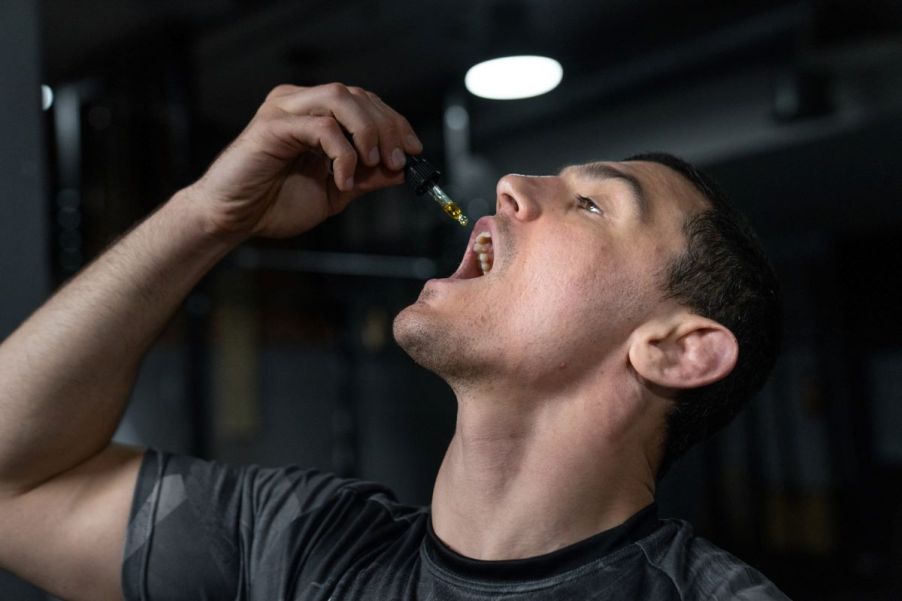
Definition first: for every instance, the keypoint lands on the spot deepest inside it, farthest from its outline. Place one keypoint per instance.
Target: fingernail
(349, 183)
(397, 158)
(412, 142)
(374, 156)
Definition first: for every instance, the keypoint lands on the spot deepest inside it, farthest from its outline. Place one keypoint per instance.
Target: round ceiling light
(46, 97)
(513, 77)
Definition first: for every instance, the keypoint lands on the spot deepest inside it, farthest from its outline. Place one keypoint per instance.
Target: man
(602, 321)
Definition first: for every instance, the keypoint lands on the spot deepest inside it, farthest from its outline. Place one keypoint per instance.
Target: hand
(275, 178)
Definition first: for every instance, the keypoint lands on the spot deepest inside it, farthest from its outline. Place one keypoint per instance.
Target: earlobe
(685, 352)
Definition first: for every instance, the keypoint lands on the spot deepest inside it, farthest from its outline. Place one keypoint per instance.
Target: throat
(508, 487)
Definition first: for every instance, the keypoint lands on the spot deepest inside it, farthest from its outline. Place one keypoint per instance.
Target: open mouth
(479, 257)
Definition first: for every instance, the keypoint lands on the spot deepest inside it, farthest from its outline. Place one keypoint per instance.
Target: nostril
(513, 196)
(513, 202)
(507, 202)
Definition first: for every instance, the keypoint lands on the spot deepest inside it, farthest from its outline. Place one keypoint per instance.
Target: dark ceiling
(719, 82)
(415, 52)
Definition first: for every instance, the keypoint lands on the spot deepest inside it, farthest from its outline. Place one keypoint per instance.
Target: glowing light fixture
(513, 77)
(46, 97)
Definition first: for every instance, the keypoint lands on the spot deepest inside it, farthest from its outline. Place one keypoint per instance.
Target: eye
(588, 204)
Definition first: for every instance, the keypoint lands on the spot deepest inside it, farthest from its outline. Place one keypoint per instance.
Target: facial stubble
(439, 346)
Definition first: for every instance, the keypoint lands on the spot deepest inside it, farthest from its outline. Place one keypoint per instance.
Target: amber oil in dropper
(448, 206)
(453, 211)
(423, 178)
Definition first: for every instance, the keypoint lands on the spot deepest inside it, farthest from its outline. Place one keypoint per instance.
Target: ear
(683, 351)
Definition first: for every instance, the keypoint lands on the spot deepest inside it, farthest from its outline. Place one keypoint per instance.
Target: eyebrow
(603, 171)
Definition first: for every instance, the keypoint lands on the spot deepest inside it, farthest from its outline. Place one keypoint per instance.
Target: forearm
(67, 372)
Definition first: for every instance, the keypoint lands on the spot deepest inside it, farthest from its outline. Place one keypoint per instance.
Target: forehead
(656, 187)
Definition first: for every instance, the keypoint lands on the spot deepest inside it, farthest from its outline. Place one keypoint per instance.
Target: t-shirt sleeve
(205, 530)
(721, 576)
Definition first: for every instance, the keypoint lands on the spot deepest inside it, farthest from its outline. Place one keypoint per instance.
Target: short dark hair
(724, 275)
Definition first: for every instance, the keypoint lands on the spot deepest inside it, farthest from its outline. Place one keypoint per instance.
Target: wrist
(191, 208)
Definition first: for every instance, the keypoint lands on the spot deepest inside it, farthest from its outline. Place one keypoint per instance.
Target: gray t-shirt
(202, 530)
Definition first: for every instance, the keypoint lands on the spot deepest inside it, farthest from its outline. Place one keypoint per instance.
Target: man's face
(578, 261)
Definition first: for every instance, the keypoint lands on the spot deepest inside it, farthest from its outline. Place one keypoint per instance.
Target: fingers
(292, 134)
(366, 180)
(378, 132)
(398, 138)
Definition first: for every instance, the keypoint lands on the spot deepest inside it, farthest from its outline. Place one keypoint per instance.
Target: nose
(517, 196)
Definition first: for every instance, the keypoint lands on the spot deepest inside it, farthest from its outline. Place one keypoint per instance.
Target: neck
(523, 476)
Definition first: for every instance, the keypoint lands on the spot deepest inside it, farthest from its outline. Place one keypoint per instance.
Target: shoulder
(289, 491)
(699, 569)
(205, 529)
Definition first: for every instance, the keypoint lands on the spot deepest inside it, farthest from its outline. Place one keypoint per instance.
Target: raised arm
(67, 372)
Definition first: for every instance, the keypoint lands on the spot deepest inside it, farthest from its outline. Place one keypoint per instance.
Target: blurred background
(283, 354)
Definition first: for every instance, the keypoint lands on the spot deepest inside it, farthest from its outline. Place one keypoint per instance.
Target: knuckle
(357, 91)
(336, 90)
(281, 90)
(323, 122)
(390, 132)
(267, 112)
(367, 132)
(325, 125)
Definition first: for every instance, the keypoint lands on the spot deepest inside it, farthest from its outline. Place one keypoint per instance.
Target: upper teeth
(482, 246)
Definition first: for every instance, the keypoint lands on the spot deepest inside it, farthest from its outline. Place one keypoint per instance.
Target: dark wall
(23, 210)
(278, 358)
(24, 244)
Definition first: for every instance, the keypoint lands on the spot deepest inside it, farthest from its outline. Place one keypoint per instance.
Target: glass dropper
(423, 178)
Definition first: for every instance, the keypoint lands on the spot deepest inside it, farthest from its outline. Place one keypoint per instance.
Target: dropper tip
(463, 220)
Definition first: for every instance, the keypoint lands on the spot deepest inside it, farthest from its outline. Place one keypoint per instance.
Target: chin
(440, 348)
(417, 336)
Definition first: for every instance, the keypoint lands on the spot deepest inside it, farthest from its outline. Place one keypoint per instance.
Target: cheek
(554, 299)
(580, 298)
